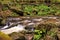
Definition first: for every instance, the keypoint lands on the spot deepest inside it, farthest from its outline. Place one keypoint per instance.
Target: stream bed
(16, 24)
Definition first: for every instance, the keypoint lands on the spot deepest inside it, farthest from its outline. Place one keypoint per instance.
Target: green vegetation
(38, 34)
(42, 10)
(14, 14)
(45, 29)
(32, 10)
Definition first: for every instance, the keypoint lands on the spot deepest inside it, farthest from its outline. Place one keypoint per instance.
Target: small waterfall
(14, 29)
(6, 26)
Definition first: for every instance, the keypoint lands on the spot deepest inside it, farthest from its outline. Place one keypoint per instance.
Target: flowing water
(12, 29)
(19, 24)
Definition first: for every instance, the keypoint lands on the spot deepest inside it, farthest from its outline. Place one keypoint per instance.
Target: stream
(17, 24)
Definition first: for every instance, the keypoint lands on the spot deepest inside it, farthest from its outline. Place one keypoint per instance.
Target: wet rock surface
(27, 20)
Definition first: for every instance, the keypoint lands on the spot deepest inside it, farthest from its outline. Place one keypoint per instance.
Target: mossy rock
(4, 36)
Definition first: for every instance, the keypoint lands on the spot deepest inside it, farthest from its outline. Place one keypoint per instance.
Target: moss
(14, 14)
(4, 36)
